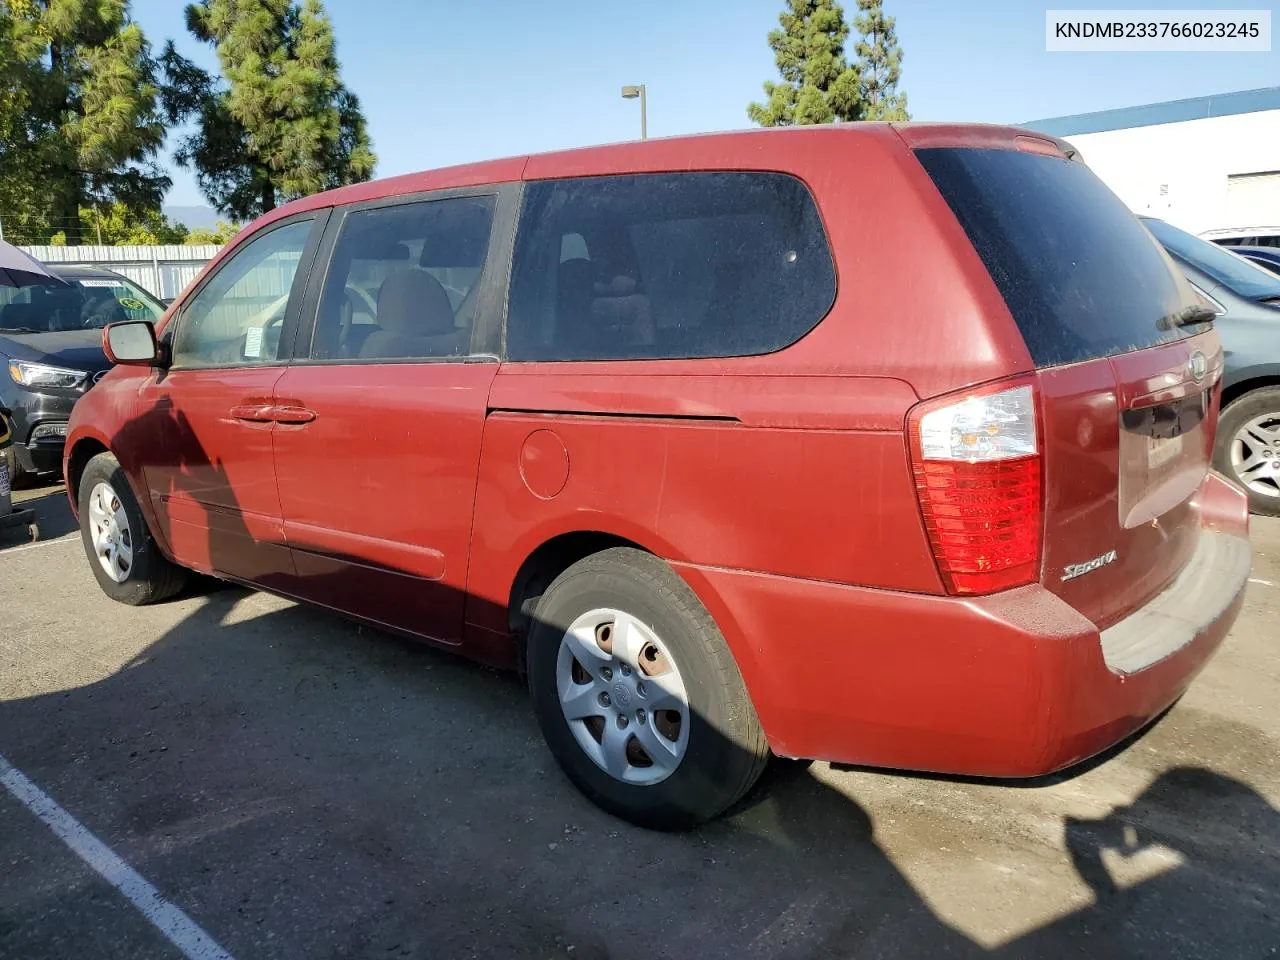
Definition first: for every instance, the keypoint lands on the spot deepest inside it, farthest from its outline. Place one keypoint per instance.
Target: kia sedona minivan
(682, 431)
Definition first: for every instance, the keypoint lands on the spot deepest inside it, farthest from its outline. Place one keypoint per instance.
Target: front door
(380, 417)
(212, 480)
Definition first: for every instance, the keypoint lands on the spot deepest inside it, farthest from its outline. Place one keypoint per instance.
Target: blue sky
(444, 82)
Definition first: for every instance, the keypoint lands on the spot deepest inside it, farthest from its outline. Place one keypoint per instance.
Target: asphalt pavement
(296, 786)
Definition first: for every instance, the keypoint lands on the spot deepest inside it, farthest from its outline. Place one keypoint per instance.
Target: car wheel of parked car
(637, 694)
(122, 553)
(1249, 447)
(17, 476)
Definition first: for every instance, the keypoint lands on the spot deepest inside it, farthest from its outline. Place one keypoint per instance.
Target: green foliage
(117, 225)
(220, 233)
(282, 125)
(818, 84)
(879, 63)
(79, 118)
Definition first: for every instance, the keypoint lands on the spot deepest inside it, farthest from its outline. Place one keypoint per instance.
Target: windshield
(88, 303)
(1235, 273)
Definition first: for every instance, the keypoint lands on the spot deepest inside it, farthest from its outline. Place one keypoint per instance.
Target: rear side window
(677, 265)
(1080, 275)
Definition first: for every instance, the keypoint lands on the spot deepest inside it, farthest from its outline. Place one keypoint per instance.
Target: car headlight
(42, 375)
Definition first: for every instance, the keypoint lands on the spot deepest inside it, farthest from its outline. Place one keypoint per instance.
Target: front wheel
(637, 694)
(1248, 448)
(122, 553)
(17, 476)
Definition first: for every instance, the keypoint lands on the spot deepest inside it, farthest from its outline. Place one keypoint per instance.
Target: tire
(148, 576)
(723, 747)
(1263, 489)
(17, 476)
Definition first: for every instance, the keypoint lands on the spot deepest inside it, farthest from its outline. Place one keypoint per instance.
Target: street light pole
(631, 92)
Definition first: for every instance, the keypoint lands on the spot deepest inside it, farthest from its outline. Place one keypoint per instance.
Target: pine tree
(880, 63)
(818, 84)
(281, 124)
(89, 128)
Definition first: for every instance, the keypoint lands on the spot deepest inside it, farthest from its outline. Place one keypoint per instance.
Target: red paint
(1081, 406)
(1009, 685)
(544, 464)
(209, 470)
(377, 490)
(780, 487)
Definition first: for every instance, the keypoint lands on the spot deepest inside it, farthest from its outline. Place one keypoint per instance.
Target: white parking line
(1265, 583)
(181, 930)
(66, 538)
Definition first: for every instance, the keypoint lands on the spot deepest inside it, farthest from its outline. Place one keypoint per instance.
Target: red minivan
(880, 444)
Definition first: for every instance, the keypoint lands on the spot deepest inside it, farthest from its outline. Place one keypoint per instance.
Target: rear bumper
(1016, 684)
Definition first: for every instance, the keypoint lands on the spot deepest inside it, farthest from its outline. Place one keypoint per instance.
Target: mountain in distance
(192, 217)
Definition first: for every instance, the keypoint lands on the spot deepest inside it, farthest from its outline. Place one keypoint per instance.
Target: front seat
(415, 319)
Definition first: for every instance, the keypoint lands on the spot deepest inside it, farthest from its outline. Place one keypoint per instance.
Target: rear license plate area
(1164, 456)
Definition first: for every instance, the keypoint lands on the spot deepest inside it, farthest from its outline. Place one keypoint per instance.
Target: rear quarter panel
(812, 482)
(792, 463)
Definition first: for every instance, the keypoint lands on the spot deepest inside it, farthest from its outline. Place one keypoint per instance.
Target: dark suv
(51, 352)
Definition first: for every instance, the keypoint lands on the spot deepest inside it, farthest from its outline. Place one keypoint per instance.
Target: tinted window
(88, 302)
(1079, 274)
(404, 281)
(1238, 275)
(237, 316)
(666, 265)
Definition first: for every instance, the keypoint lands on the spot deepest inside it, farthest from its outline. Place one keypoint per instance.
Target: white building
(1202, 164)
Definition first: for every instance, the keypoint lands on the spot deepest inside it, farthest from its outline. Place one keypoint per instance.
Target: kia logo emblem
(1198, 366)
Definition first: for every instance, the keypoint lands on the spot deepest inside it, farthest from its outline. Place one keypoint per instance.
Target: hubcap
(1255, 455)
(109, 530)
(623, 696)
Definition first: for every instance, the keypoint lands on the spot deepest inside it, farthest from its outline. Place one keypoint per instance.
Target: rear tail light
(977, 468)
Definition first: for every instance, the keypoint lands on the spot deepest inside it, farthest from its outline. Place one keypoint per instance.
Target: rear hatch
(1125, 360)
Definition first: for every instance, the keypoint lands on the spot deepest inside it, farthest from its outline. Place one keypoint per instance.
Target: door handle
(253, 412)
(286, 413)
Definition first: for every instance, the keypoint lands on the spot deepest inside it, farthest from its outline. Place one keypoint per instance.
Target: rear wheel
(637, 694)
(1249, 447)
(122, 553)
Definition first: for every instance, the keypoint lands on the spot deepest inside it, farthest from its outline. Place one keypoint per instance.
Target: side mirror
(130, 342)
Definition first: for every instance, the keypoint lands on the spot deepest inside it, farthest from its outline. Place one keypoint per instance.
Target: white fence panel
(163, 270)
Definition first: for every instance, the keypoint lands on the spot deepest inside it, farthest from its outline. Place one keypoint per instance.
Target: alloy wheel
(1255, 455)
(623, 697)
(109, 528)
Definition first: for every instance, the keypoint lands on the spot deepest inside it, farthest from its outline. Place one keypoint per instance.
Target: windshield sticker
(131, 303)
(253, 342)
(104, 284)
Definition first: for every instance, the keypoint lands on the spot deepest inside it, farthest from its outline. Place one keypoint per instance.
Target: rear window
(676, 265)
(1080, 275)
